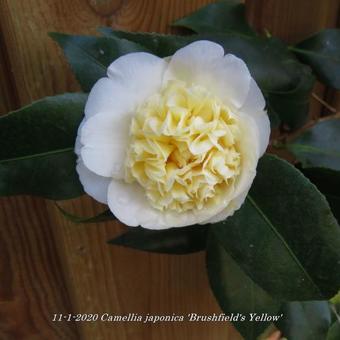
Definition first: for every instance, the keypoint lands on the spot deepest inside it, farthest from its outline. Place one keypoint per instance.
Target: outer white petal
(194, 62)
(203, 63)
(130, 205)
(78, 145)
(140, 73)
(132, 78)
(250, 153)
(254, 106)
(104, 139)
(232, 80)
(263, 124)
(254, 101)
(94, 185)
(234, 205)
(106, 96)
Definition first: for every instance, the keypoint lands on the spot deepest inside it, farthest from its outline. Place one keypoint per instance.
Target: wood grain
(292, 21)
(49, 265)
(8, 94)
(32, 285)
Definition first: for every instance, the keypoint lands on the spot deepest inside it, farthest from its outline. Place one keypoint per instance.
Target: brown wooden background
(48, 265)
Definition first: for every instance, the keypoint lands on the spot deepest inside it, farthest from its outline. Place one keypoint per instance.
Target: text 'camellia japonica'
(173, 142)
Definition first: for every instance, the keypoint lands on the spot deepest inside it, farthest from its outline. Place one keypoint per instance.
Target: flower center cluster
(184, 148)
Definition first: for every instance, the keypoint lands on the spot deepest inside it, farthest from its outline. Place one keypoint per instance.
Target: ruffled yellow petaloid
(184, 148)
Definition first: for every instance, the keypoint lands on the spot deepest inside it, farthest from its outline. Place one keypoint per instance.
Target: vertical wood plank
(8, 94)
(32, 286)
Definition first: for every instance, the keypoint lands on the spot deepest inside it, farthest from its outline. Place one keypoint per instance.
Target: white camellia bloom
(173, 142)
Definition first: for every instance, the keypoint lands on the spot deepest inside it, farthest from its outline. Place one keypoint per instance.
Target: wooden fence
(48, 265)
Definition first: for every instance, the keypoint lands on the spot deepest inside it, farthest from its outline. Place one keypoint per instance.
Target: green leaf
(104, 216)
(37, 142)
(236, 292)
(90, 56)
(328, 182)
(292, 106)
(170, 241)
(221, 17)
(309, 320)
(334, 331)
(319, 145)
(285, 237)
(335, 300)
(322, 53)
(162, 45)
(285, 82)
(274, 118)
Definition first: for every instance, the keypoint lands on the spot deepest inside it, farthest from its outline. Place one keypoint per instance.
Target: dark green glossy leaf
(236, 292)
(334, 331)
(36, 153)
(285, 237)
(285, 82)
(322, 53)
(328, 182)
(309, 320)
(104, 216)
(90, 56)
(319, 145)
(170, 241)
(274, 118)
(220, 17)
(162, 45)
(292, 106)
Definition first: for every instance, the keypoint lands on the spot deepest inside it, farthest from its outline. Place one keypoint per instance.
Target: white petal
(140, 73)
(263, 124)
(94, 185)
(78, 145)
(254, 101)
(104, 139)
(203, 63)
(129, 204)
(250, 153)
(132, 78)
(233, 206)
(254, 106)
(105, 96)
(232, 80)
(193, 63)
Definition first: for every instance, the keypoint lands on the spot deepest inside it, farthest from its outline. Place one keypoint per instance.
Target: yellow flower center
(184, 148)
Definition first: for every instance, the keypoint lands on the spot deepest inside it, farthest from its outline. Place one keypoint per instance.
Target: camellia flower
(173, 142)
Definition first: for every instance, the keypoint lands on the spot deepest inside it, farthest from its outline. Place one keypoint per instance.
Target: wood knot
(105, 7)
